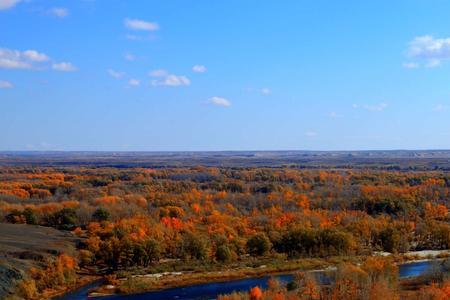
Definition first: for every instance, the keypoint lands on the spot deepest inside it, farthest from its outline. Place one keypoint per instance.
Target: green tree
(152, 250)
(390, 240)
(258, 245)
(193, 247)
(29, 215)
(65, 219)
(101, 214)
(223, 254)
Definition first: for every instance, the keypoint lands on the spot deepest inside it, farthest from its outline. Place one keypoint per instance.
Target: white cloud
(15, 59)
(159, 73)
(371, 107)
(219, 101)
(134, 82)
(429, 49)
(35, 56)
(166, 79)
(136, 24)
(5, 84)
(199, 69)
(59, 12)
(266, 91)
(30, 59)
(311, 134)
(172, 80)
(6, 4)
(129, 57)
(115, 74)
(410, 65)
(64, 67)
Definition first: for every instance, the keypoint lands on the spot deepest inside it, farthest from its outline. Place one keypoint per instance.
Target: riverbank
(141, 283)
(416, 256)
(81, 283)
(421, 254)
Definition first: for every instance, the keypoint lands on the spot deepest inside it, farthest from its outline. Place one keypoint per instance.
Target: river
(212, 290)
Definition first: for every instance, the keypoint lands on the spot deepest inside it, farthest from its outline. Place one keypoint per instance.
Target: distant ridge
(378, 159)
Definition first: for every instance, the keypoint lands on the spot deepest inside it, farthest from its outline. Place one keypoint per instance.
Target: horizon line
(218, 151)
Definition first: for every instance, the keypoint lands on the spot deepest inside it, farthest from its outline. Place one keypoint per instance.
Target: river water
(212, 290)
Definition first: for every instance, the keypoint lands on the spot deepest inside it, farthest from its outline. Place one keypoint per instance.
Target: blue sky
(224, 75)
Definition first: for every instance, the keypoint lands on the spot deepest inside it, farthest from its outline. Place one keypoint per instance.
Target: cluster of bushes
(56, 274)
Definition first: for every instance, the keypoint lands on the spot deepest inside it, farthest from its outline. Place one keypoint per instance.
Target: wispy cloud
(219, 101)
(7, 4)
(134, 82)
(371, 107)
(115, 74)
(129, 57)
(199, 69)
(164, 78)
(134, 37)
(441, 107)
(5, 84)
(159, 73)
(311, 134)
(136, 24)
(59, 12)
(44, 146)
(431, 51)
(172, 80)
(265, 91)
(433, 63)
(410, 65)
(64, 67)
(334, 115)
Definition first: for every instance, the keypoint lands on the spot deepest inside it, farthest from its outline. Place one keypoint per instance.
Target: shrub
(223, 254)
(101, 214)
(258, 244)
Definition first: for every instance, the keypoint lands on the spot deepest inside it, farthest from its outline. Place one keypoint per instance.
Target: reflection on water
(414, 269)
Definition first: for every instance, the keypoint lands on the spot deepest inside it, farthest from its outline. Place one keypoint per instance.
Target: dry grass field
(25, 246)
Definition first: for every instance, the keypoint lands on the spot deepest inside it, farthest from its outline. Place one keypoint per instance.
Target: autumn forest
(129, 221)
